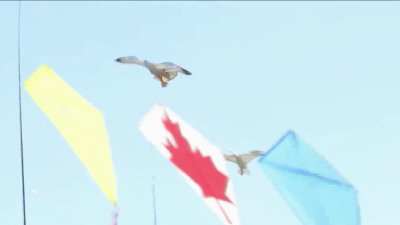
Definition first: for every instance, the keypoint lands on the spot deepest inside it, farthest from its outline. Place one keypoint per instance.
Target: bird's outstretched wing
(230, 158)
(247, 157)
(172, 67)
(130, 60)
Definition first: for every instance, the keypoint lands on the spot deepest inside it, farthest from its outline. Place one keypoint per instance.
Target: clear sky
(328, 70)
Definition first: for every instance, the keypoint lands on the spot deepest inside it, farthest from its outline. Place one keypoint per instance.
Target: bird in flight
(163, 72)
(243, 159)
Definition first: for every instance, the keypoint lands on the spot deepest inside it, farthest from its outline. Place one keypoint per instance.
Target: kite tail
(114, 218)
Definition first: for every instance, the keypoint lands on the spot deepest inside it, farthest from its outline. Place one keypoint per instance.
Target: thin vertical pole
(154, 202)
(20, 114)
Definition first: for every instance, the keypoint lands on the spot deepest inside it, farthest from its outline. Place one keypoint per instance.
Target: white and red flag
(200, 163)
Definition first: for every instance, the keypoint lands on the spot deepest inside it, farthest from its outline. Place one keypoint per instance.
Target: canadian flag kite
(201, 163)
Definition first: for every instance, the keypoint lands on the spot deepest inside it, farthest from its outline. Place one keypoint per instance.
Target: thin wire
(154, 202)
(20, 113)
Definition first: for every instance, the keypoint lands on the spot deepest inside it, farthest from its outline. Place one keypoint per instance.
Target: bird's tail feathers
(186, 72)
(244, 171)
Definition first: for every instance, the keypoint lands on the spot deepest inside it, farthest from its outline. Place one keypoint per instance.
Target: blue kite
(317, 193)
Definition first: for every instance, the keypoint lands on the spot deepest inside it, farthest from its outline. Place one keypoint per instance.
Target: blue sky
(327, 70)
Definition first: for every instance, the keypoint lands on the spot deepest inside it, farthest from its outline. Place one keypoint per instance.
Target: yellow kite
(81, 124)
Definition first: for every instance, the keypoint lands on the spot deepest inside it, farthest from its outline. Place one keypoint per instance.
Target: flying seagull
(163, 72)
(243, 159)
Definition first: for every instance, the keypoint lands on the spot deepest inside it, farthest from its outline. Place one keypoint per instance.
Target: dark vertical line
(223, 211)
(20, 113)
(154, 202)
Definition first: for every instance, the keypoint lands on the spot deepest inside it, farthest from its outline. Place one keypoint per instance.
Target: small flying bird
(243, 159)
(163, 72)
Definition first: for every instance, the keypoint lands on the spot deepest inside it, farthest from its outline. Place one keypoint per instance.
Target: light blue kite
(317, 193)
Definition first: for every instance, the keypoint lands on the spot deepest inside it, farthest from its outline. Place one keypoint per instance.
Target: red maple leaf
(198, 167)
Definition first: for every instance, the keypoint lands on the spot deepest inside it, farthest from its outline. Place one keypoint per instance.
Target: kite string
(20, 114)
